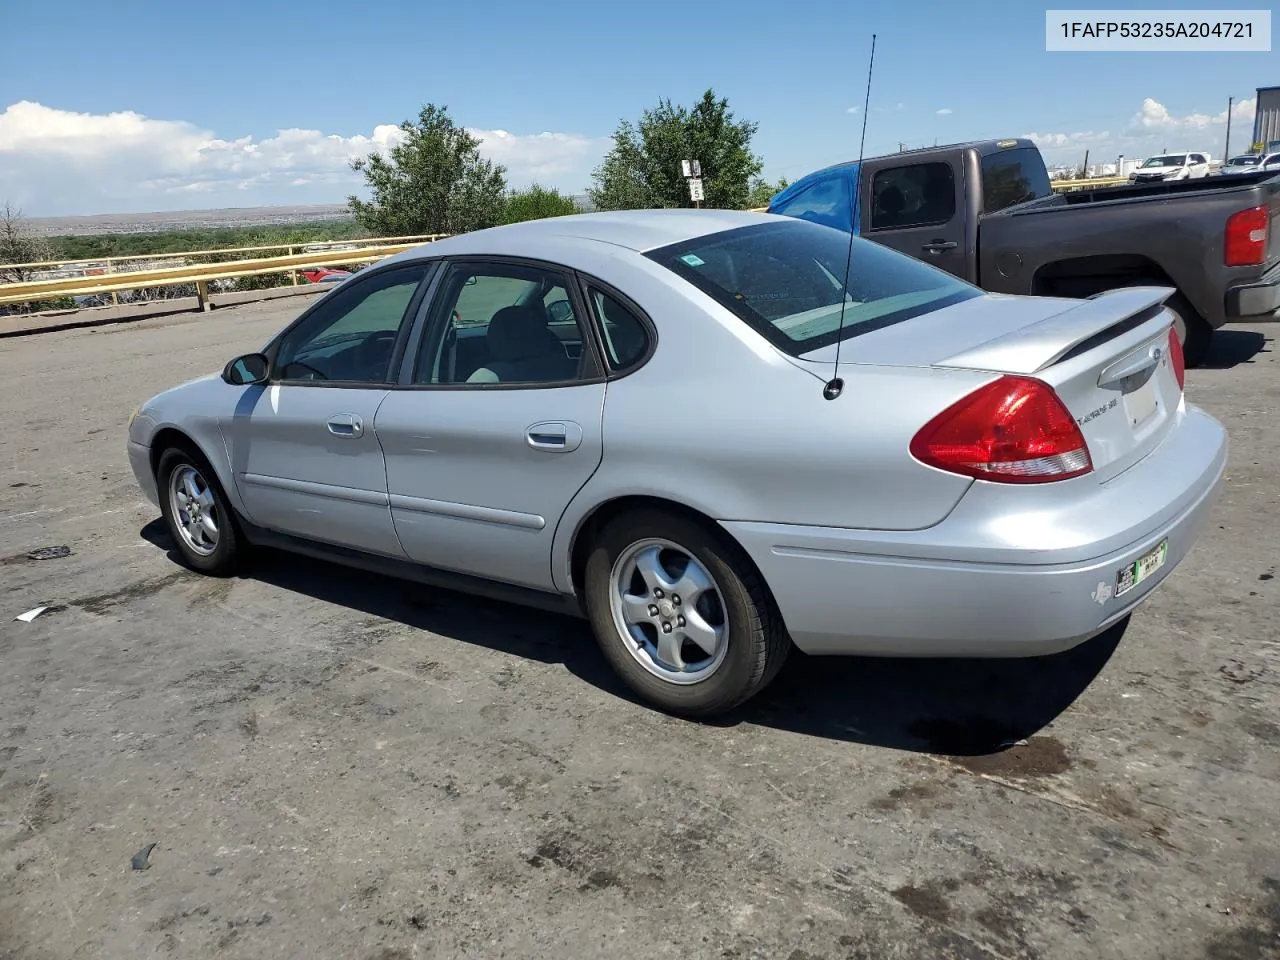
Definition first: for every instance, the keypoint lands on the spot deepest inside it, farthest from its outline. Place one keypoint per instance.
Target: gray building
(1266, 119)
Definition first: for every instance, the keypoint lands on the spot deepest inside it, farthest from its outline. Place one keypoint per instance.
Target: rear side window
(785, 280)
(826, 202)
(624, 334)
(1013, 176)
(914, 196)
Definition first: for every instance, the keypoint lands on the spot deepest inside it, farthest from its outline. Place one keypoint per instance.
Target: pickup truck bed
(1081, 242)
(985, 211)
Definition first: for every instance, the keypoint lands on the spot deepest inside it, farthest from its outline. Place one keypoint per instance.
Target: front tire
(196, 511)
(681, 614)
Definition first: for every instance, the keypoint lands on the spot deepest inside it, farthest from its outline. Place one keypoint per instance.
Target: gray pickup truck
(985, 212)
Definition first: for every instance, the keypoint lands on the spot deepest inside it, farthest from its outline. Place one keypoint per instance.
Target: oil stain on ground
(1037, 757)
(103, 602)
(928, 900)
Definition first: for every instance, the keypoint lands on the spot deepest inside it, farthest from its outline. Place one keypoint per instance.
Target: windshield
(784, 280)
(1174, 160)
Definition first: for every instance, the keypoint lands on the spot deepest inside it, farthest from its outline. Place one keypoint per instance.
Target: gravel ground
(333, 765)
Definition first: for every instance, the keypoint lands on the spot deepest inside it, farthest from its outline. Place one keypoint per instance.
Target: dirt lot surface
(330, 765)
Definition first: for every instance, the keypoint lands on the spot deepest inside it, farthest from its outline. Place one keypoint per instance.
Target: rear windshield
(785, 281)
(1013, 176)
(1243, 161)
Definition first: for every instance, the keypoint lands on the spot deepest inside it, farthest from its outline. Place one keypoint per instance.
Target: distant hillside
(175, 220)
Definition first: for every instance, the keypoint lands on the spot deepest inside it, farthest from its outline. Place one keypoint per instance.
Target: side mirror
(246, 370)
(560, 311)
(471, 281)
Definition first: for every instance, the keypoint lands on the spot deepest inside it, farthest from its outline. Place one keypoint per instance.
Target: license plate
(1141, 403)
(1142, 568)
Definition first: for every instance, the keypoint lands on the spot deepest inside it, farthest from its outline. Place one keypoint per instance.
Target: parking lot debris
(142, 859)
(30, 614)
(50, 553)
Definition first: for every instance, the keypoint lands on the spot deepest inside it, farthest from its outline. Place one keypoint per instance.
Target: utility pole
(1226, 151)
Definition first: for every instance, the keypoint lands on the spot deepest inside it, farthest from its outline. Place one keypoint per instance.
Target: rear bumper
(1257, 300)
(1028, 582)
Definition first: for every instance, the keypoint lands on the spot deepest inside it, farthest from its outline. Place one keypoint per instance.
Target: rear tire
(195, 509)
(1193, 330)
(729, 647)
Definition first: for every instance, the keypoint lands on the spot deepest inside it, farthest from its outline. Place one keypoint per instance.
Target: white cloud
(853, 110)
(944, 112)
(1154, 115)
(57, 161)
(1153, 128)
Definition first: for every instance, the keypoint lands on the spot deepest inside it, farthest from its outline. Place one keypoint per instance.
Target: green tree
(762, 191)
(642, 170)
(535, 203)
(433, 181)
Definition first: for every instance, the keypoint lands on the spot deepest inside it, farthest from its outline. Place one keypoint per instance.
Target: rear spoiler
(1076, 330)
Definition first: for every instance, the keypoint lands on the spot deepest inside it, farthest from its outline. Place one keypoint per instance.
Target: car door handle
(345, 425)
(937, 246)
(555, 436)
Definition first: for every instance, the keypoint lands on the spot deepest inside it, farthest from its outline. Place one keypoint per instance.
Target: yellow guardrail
(110, 261)
(1061, 185)
(201, 274)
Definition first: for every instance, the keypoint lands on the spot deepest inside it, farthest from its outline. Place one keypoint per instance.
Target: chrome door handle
(556, 436)
(345, 425)
(937, 246)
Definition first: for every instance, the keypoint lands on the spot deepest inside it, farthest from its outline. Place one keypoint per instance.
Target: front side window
(785, 279)
(915, 196)
(350, 335)
(1013, 176)
(501, 324)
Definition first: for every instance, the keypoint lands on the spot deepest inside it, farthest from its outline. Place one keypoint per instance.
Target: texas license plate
(1142, 568)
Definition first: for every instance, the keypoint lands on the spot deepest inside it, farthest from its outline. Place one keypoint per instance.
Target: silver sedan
(714, 435)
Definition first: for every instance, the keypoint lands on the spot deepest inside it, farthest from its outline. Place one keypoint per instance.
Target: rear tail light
(1176, 357)
(1245, 242)
(1013, 430)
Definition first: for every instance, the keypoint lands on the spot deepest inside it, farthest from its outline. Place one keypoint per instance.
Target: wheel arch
(1085, 276)
(168, 437)
(607, 510)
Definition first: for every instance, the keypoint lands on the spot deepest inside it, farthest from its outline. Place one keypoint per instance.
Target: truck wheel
(1196, 335)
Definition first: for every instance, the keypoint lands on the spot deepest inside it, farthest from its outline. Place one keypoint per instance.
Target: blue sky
(153, 106)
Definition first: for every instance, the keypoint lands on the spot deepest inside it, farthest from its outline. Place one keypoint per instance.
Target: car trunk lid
(1106, 357)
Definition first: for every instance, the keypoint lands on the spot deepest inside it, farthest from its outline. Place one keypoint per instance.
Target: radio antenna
(835, 386)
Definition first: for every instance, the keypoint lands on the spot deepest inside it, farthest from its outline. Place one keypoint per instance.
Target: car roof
(637, 230)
